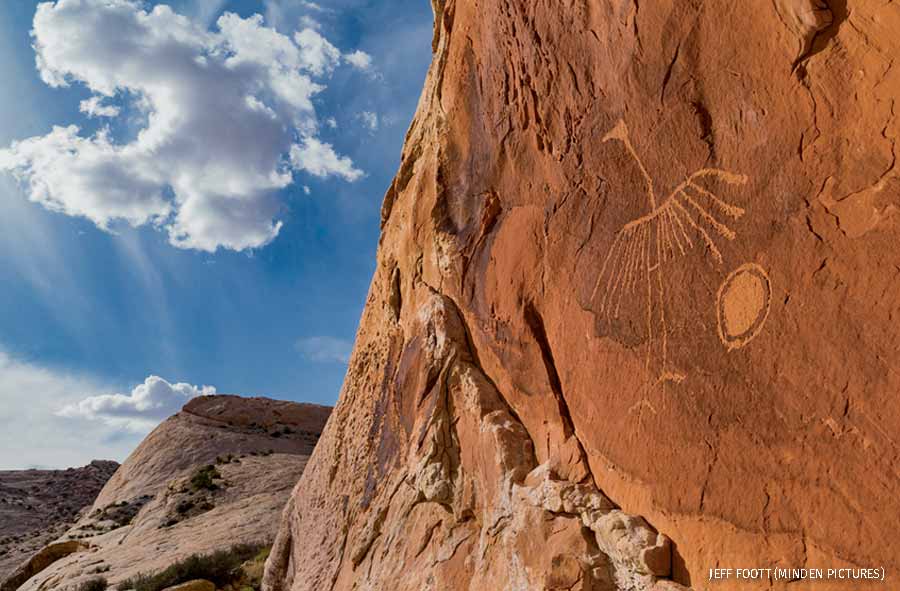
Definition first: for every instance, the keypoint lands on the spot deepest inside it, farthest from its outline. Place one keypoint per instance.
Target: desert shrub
(263, 554)
(203, 479)
(121, 513)
(95, 584)
(221, 568)
(253, 571)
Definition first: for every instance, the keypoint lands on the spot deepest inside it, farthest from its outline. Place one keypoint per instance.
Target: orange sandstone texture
(635, 314)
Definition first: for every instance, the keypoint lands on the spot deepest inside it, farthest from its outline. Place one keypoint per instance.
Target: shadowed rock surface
(635, 313)
(37, 506)
(216, 474)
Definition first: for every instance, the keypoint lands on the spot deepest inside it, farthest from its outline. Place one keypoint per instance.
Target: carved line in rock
(743, 304)
(643, 248)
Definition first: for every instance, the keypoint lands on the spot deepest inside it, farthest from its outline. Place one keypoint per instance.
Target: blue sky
(89, 313)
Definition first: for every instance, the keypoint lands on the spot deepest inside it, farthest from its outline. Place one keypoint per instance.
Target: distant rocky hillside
(36, 506)
(215, 474)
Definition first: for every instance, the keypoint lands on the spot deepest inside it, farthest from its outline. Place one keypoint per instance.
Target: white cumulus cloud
(323, 349)
(317, 54)
(319, 159)
(359, 59)
(145, 406)
(229, 121)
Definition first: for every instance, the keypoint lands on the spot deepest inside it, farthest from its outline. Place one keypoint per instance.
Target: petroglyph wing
(691, 214)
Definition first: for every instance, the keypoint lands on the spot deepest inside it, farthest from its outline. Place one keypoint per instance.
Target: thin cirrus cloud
(141, 409)
(281, 14)
(370, 120)
(229, 121)
(204, 11)
(324, 349)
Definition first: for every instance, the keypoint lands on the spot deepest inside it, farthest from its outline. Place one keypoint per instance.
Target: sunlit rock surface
(636, 313)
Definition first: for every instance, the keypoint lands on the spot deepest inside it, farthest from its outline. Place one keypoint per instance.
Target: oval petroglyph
(743, 305)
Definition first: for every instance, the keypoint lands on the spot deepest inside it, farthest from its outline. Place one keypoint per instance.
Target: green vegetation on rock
(205, 477)
(239, 566)
(96, 584)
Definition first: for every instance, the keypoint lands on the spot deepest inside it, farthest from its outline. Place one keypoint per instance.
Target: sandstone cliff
(215, 474)
(635, 313)
(37, 506)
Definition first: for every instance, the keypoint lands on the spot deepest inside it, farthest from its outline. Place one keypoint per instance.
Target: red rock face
(636, 308)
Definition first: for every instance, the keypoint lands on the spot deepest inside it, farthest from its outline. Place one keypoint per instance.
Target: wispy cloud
(370, 120)
(229, 121)
(324, 349)
(94, 107)
(312, 6)
(286, 14)
(205, 11)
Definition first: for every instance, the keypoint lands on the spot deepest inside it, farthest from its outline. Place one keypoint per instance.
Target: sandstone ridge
(215, 474)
